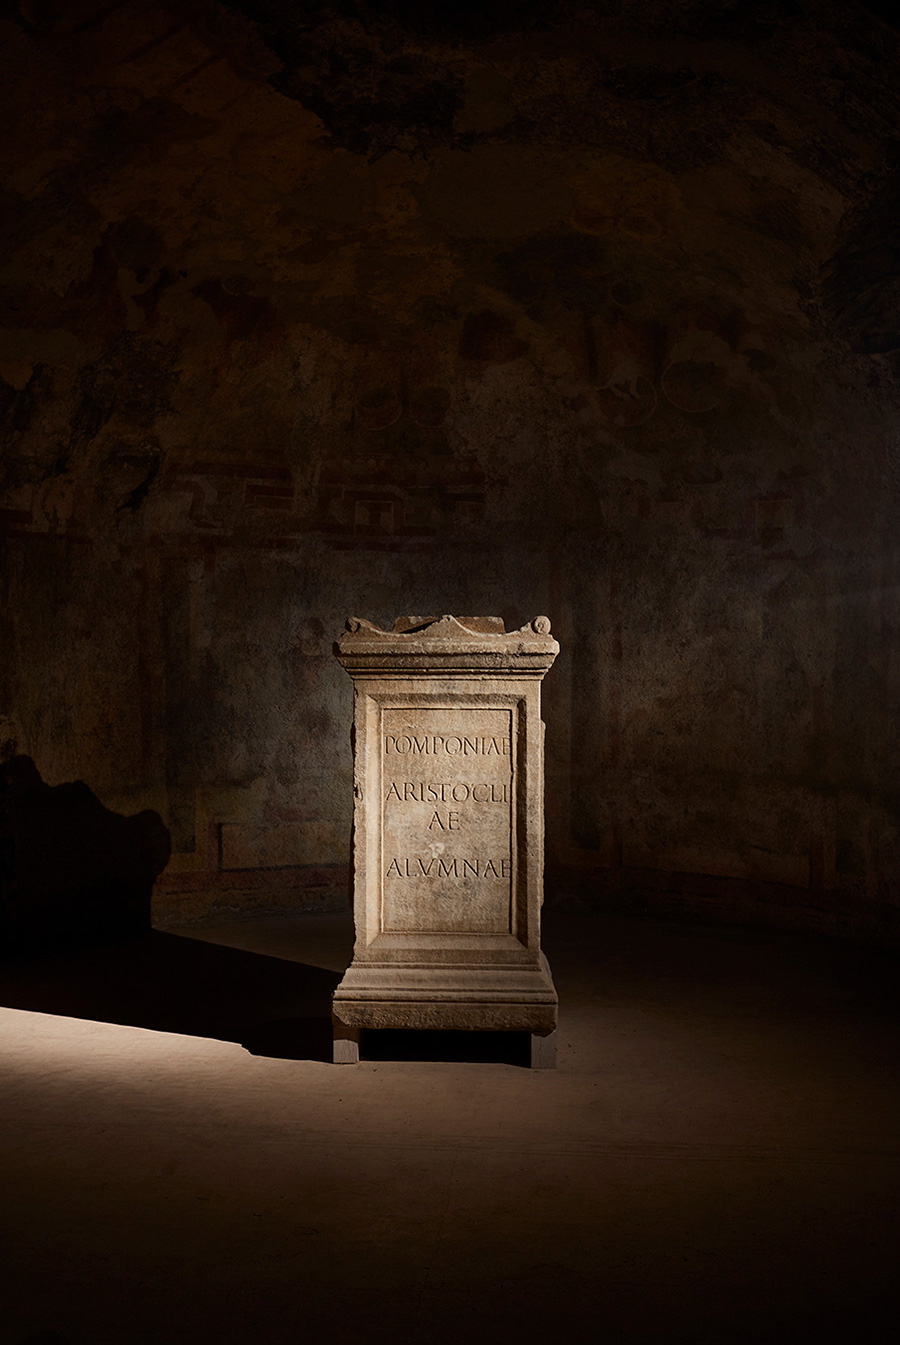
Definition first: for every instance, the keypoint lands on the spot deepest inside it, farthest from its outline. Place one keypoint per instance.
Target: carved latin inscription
(447, 779)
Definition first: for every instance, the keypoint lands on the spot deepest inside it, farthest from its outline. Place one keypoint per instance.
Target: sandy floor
(715, 1159)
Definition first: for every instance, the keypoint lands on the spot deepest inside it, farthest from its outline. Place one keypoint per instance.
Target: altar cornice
(448, 642)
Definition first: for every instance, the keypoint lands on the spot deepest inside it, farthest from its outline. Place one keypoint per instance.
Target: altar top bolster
(447, 644)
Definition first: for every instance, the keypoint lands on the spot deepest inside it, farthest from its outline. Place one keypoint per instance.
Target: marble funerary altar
(448, 830)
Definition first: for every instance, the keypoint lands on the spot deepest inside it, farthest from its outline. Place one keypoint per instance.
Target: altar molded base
(476, 999)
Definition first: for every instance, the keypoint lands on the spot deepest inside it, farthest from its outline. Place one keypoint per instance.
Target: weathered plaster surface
(581, 309)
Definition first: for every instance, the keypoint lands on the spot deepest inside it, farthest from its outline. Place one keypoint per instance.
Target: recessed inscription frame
(377, 711)
(457, 818)
(448, 830)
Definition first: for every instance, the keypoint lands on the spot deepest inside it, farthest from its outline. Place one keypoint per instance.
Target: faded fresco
(590, 310)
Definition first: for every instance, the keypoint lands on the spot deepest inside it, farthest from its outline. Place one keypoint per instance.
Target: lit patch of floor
(716, 1158)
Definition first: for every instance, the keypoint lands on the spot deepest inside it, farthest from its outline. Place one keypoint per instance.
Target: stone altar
(448, 830)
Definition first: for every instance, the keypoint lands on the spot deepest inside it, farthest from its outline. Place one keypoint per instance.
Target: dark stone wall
(311, 309)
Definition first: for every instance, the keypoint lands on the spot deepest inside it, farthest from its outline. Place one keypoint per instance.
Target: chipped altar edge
(448, 638)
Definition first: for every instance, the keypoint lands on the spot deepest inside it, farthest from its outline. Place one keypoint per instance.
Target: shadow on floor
(272, 1007)
(424, 1044)
(169, 983)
